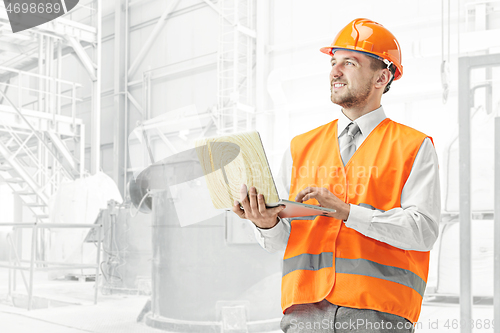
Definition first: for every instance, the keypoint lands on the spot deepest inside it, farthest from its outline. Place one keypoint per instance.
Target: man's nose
(335, 72)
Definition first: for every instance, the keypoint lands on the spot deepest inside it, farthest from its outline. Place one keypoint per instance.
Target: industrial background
(90, 100)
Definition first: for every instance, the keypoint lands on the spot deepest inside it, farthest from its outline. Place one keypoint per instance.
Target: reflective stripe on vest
(314, 262)
(384, 272)
(306, 261)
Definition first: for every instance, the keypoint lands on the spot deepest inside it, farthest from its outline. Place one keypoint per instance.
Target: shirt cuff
(274, 231)
(360, 218)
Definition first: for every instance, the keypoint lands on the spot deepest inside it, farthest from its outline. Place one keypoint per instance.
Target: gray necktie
(346, 142)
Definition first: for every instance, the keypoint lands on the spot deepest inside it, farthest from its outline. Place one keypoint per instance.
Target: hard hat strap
(387, 62)
(392, 68)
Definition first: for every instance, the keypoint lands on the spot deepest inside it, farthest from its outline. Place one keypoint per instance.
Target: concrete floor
(119, 314)
(74, 311)
(445, 317)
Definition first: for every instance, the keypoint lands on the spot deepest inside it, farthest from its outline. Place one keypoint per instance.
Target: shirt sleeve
(414, 225)
(276, 238)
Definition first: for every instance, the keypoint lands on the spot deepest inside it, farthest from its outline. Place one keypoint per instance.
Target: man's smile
(338, 85)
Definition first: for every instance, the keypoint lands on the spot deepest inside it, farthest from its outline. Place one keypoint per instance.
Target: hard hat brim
(330, 50)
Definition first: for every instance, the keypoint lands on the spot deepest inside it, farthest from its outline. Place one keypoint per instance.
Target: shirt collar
(366, 122)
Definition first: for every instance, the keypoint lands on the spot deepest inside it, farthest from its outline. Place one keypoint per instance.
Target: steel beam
(120, 96)
(30, 65)
(465, 65)
(135, 103)
(13, 48)
(95, 151)
(464, 143)
(83, 56)
(156, 31)
(496, 239)
(125, 82)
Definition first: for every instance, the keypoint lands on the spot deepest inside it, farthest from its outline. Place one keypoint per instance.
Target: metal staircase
(38, 151)
(42, 142)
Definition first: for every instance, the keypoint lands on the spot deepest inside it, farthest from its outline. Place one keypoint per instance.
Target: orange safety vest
(324, 259)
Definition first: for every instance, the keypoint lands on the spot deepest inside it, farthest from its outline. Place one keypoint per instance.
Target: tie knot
(352, 129)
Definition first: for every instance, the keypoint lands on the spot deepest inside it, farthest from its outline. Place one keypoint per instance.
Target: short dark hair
(377, 64)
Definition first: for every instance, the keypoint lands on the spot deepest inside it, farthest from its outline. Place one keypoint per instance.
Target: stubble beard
(350, 99)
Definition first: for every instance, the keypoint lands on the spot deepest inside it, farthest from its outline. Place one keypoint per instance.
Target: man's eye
(349, 63)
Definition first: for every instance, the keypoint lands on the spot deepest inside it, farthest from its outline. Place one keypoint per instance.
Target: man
(365, 267)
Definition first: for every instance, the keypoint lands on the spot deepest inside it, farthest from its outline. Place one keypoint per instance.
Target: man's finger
(243, 192)
(261, 203)
(237, 209)
(244, 198)
(276, 210)
(300, 196)
(307, 197)
(252, 194)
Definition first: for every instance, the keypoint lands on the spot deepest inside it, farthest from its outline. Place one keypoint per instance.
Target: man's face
(351, 79)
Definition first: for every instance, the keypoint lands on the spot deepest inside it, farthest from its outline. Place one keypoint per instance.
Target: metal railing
(17, 263)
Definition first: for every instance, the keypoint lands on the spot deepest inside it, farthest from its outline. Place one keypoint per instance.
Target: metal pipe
(496, 239)
(73, 105)
(47, 74)
(125, 127)
(52, 83)
(49, 225)
(464, 141)
(9, 292)
(82, 150)
(59, 73)
(61, 264)
(40, 76)
(120, 98)
(236, 65)
(19, 91)
(40, 71)
(18, 218)
(18, 261)
(53, 268)
(34, 242)
(99, 242)
(148, 97)
(95, 160)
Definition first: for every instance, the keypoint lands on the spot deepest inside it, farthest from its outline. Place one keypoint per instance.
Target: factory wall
(296, 80)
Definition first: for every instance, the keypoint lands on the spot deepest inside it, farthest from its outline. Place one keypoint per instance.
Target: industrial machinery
(211, 276)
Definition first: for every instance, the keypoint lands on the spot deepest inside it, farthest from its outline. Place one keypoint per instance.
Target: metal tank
(200, 283)
(209, 276)
(127, 250)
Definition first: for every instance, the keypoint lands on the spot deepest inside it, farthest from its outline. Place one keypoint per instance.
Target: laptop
(232, 160)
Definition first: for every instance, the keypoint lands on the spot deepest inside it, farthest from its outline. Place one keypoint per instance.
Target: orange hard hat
(369, 37)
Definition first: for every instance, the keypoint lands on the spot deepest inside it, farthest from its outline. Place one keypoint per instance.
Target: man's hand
(326, 199)
(255, 210)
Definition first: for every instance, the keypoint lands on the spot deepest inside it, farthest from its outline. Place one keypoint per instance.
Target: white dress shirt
(413, 226)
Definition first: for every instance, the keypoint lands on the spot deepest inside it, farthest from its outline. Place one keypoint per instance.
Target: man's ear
(383, 78)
